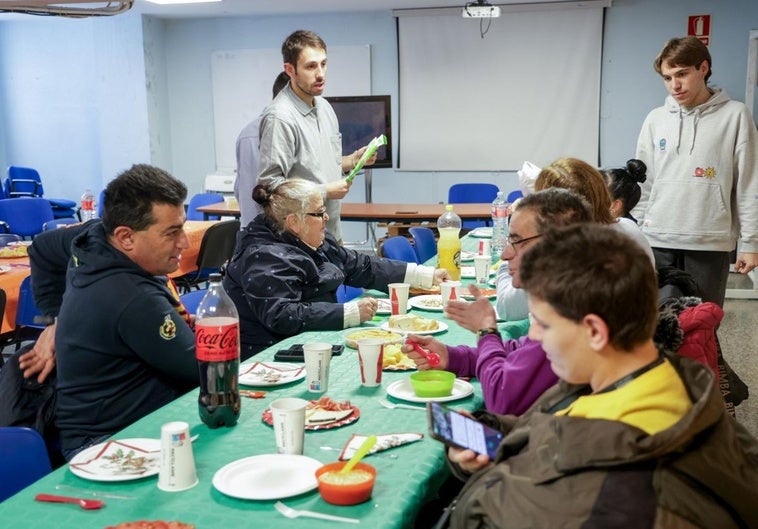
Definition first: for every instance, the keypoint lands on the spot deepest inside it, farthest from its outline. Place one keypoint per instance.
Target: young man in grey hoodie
(701, 193)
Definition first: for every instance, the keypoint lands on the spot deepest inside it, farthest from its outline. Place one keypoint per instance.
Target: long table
(407, 475)
(375, 212)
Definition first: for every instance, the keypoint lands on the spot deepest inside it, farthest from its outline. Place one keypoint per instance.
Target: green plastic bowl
(432, 383)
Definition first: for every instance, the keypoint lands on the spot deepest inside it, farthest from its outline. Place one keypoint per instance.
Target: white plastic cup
(482, 268)
(177, 471)
(450, 290)
(399, 297)
(371, 358)
(484, 248)
(288, 415)
(317, 357)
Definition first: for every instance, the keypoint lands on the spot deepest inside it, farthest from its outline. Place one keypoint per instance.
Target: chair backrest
(57, 223)
(25, 216)
(202, 199)
(424, 243)
(218, 243)
(23, 459)
(400, 249)
(471, 193)
(23, 182)
(192, 299)
(27, 310)
(513, 196)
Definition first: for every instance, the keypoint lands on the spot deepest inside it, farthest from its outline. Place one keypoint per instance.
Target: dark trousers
(709, 270)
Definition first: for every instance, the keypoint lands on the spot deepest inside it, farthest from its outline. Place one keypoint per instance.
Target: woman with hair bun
(624, 185)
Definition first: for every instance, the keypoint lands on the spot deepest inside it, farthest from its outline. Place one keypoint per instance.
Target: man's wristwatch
(486, 331)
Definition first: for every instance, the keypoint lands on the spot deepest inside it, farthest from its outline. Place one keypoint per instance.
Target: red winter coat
(699, 324)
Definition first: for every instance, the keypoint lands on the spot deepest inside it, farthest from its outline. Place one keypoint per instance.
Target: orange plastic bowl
(345, 494)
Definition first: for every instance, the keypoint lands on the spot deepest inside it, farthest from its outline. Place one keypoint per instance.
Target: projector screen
(528, 90)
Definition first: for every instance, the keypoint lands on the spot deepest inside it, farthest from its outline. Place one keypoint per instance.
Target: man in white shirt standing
(701, 193)
(299, 133)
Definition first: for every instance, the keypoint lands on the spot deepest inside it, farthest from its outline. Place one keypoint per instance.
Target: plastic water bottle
(499, 224)
(449, 243)
(217, 347)
(87, 211)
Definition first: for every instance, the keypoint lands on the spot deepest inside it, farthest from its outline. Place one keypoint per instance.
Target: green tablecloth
(406, 475)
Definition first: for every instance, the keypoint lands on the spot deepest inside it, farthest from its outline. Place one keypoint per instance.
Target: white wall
(83, 99)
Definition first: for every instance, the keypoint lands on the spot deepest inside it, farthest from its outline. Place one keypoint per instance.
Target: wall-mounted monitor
(361, 119)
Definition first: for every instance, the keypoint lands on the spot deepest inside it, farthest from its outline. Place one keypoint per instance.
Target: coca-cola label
(216, 343)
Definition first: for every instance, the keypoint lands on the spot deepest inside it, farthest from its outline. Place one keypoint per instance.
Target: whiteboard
(242, 81)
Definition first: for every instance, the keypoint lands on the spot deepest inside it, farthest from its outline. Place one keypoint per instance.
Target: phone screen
(458, 430)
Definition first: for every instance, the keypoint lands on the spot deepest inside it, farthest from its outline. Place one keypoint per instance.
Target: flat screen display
(361, 119)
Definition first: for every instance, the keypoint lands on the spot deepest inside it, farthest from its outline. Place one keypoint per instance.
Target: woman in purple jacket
(513, 373)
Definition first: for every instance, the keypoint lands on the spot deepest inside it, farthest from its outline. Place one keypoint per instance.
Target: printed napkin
(383, 442)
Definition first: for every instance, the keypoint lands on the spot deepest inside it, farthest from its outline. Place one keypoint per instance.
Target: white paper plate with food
(270, 373)
(403, 390)
(267, 477)
(353, 335)
(432, 302)
(393, 359)
(415, 326)
(469, 272)
(467, 256)
(384, 307)
(118, 460)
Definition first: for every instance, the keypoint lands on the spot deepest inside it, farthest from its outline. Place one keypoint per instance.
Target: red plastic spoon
(84, 504)
(432, 358)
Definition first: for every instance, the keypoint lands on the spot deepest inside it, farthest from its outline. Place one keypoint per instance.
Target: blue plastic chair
(192, 299)
(513, 196)
(23, 459)
(25, 216)
(472, 193)
(424, 243)
(203, 199)
(26, 325)
(400, 249)
(345, 293)
(26, 182)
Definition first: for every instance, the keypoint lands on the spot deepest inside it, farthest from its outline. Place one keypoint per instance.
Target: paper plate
(468, 272)
(270, 373)
(118, 460)
(344, 420)
(441, 327)
(467, 256)
(432, 302)
(353, 335)
(402, 390)
(384, 307)
(267, 477)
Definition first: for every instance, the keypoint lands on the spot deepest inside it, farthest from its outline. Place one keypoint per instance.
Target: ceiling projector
(480, 9)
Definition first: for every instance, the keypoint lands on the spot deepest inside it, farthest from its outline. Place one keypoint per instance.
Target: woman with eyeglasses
(287, 267)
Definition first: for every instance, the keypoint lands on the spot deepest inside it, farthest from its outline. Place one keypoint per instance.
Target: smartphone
(455, 429)
(295, 353)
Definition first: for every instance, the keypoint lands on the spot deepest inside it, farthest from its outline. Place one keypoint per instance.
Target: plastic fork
(392, 405)
(83, 503)
(289, 512)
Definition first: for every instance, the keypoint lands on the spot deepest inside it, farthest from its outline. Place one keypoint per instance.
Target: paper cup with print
(484, 248)
(177, 471)
(399, 297)
(370, 356)
(288, 415)
(317, 357)
(450, 290)
(482, 268)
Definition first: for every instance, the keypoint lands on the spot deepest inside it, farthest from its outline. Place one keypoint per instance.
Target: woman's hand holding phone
(468, 460)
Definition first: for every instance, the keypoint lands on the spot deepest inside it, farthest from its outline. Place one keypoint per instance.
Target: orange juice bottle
(449, 243)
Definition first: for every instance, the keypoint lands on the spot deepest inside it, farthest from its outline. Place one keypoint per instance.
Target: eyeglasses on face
(319, 214)
(515, 244)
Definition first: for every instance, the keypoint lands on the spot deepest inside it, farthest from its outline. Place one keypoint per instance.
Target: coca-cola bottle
(218, 356)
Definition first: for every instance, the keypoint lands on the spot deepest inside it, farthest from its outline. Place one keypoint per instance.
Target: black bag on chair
(733, 389)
